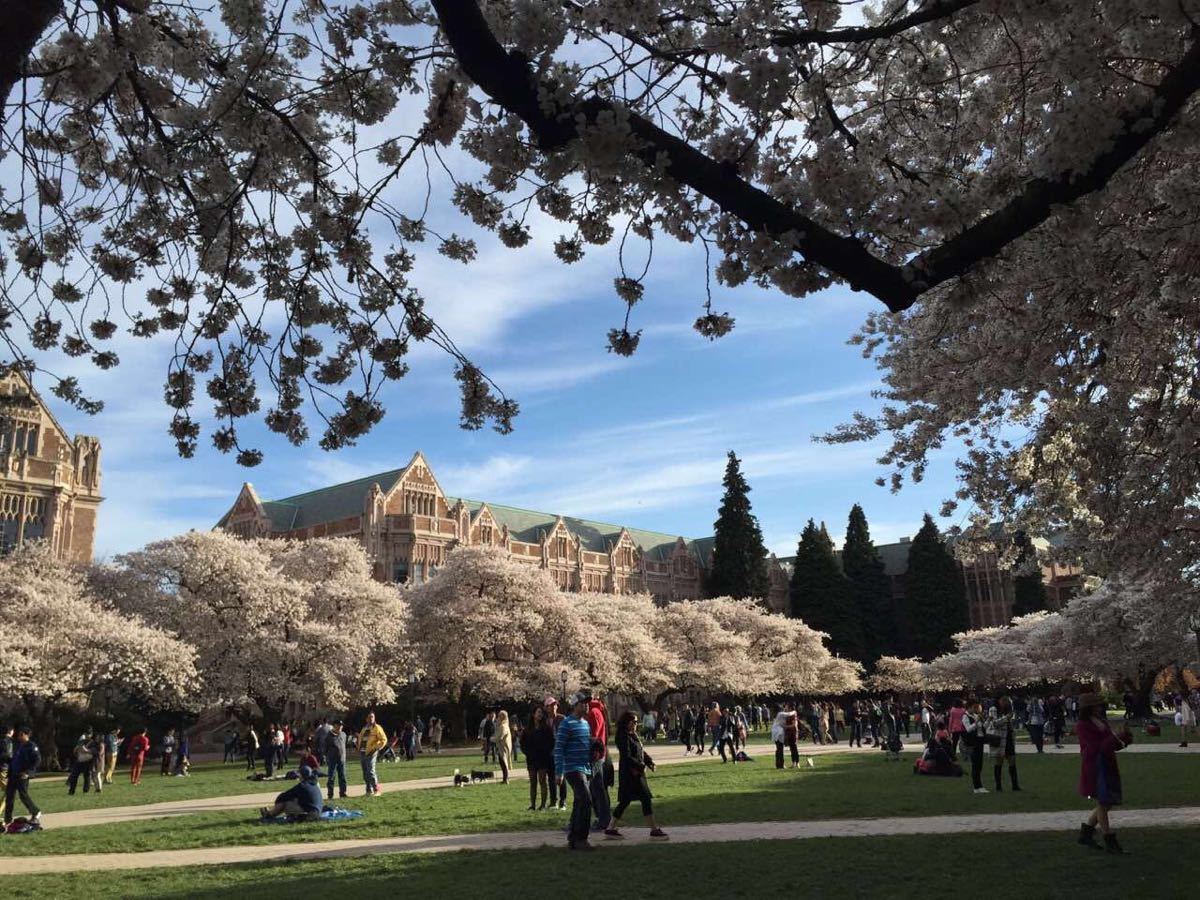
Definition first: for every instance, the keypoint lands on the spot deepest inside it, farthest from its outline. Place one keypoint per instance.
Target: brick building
(408, 524)
(49, 481)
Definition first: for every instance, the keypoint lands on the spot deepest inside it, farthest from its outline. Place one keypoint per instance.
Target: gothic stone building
(408, 524)
(49, 481)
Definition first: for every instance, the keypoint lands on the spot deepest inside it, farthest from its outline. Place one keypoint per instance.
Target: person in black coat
(631, 775)
(537, 743)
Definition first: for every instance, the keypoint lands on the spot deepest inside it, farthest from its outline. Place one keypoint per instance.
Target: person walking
(7, 746)
(714, 725)
(371, 740)
(1099, 776)
(112, 746)
(334, 751)
(1185, 718)
(956, 726)
(726, 729)
(168, 752)
(318, 741)
(1058, 721)
(435, 734)
(973, 737)
(785, 731)
(856, 723)
(138, 749)
(573, 765)
(698, 733)
(99, 753)
(1001, 726)
(81, 763)
(1035, 722)
(632, 786)
(597, 718)
(487, 734)
(687, 723)
(22, 766)
(537, 743)
(504, 744)
(252, 748)
(558, 787)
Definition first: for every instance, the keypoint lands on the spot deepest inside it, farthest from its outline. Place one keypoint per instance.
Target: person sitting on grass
(303, 800)
(936, 761)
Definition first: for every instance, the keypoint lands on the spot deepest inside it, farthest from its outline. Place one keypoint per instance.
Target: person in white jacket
(785, 730)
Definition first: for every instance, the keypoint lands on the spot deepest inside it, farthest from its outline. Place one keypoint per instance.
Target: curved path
(1064, 822)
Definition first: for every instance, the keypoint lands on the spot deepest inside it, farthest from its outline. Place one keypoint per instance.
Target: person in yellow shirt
(371, 740)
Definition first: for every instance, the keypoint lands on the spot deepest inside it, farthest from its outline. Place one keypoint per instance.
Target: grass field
(840, 786)
(1163, 864)
(214, 779)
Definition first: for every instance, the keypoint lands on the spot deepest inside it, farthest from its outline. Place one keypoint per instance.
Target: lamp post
(562, 677)
(412, 698)
(108, 695)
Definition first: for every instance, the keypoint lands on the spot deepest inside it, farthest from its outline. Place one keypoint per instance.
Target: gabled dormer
(417, 492)
(247, 517)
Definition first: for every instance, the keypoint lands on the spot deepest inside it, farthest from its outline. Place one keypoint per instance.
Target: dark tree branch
(23, 22)
(1036, 201)
(936, 9)
(507, 80)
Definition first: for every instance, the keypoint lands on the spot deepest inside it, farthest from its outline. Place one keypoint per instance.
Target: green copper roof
(341, 501)
(338, 501)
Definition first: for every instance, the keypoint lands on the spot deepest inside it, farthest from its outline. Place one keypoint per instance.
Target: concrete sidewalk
(1066, 823)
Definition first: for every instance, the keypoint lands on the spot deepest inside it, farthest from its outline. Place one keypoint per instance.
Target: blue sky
(637, 441)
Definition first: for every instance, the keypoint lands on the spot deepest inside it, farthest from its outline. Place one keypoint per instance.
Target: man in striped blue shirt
(573, 761)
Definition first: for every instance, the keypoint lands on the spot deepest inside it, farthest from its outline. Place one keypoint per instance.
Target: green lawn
(216, 779)
(840, 786)
(1163, 865)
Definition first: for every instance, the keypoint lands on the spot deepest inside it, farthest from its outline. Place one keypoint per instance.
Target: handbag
(609, 773)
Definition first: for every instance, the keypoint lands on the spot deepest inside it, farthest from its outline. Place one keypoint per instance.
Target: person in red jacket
(597, 719)
(1099, 777)
(139, 746)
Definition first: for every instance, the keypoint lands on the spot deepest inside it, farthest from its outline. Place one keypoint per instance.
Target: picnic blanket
(328, 814)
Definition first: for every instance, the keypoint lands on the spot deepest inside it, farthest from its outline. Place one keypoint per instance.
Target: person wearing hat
(303, 799)
(573, 765)
(1099, 777)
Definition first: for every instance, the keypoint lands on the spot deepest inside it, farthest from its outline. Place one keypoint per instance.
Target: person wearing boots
(1099, 777)
(1001, 724)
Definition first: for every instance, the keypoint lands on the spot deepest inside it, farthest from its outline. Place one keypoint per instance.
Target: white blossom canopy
(59, 644)
(271, 621)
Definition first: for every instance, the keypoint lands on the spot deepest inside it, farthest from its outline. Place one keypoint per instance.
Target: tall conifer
(871, 591)
(739, 566)
(934, 593)
(820, 594)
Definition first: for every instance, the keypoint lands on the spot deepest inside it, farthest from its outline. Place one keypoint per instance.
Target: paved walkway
(1065, 822)
(666, 754)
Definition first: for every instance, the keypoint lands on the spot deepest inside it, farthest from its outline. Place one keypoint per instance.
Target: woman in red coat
(1099, 777)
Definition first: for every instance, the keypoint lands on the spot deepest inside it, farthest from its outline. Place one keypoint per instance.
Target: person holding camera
(1001, 737)
(974, 736)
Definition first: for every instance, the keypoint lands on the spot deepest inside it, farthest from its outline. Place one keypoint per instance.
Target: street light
(108, 695)
(412, 698)
(562, 677)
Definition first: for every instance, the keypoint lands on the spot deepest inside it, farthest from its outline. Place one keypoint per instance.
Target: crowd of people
(567, 754)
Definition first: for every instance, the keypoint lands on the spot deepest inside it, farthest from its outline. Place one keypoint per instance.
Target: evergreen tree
(1029, 593)
(739, 566)
(820, 594)
(934, 593)
(870, 589)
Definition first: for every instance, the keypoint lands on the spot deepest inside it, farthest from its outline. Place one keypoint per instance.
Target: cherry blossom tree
(626, 657)
(272, 621)
(894, 674)
(988, 169)
(982, 658)
(498, 628)
(59, 645)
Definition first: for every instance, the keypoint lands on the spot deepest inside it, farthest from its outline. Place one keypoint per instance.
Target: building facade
(49, 481)
(408, 525)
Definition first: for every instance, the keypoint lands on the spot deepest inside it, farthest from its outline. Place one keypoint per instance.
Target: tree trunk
(25, 21)
(45, 733)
